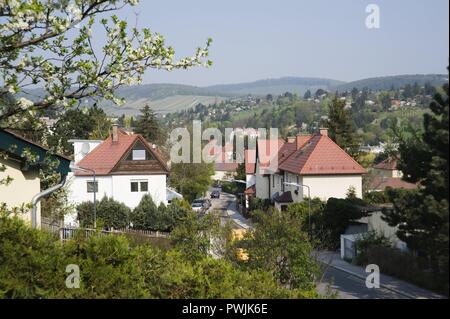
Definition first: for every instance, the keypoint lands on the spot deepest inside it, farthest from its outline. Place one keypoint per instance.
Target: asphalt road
(351, 287)
(345, 285)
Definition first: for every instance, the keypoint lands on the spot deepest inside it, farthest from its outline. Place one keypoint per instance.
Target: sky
(260, 39)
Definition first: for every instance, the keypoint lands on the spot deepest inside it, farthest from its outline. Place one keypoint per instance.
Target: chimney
(115, 133)
(291, 139)
(323, 131)
(302, 139)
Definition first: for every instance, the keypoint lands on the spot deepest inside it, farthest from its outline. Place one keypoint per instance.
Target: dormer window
(139, 155)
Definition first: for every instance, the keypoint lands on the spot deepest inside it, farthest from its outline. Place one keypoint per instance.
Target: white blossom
(24, 103)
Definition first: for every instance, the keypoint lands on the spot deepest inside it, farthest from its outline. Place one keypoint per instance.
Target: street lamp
(309, 204)
(74, 167)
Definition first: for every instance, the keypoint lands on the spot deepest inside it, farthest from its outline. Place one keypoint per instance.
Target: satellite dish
(85, 148)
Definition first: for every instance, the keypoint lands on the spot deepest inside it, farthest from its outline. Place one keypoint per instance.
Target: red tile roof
(105, 156)
(321, 156)
(380, 183)
(226, 167)
(389, 164)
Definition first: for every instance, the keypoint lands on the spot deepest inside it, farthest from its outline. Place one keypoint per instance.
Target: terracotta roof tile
(321, 156)
(105, 156)
(380, 183)
(389, 164)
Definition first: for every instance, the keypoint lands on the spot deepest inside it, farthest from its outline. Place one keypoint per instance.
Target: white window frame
(136, 157)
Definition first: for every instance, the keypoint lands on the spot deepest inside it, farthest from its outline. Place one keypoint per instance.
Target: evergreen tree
(341, 128)
(307, 95)
(149, 127)
(101, 124)
(422, 215)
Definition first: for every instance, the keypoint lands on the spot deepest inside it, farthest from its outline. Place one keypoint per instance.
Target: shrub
(147, 216)
(33, 264)
(110, 214)
(259, 204)
(278, 245)
(365, 244)
(333, 220)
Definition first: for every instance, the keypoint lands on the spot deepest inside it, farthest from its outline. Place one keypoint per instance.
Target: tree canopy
(50, 44)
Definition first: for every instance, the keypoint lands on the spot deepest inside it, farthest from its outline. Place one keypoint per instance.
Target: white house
(126, 167)
(314, 161)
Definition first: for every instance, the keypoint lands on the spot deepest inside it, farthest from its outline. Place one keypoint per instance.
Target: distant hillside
(387, 82)
(166, 105)
(297, 85)
(165, 98)
(160, 91)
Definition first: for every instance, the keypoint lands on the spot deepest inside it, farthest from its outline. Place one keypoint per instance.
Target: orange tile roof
(105, 156)
(380, 183)
(389, 164)
(321, 156)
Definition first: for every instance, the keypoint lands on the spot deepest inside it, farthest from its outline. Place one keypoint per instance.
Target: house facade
(314, 161)
(126, 168)
(386, 174)
(24, 182)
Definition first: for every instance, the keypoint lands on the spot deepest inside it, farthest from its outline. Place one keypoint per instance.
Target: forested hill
(298, 85)
(398, 81)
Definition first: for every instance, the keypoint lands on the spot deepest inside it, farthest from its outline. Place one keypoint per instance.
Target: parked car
(198, 206)
(215, 194)
(201, 205)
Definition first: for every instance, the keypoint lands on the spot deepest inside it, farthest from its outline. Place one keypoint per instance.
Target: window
(92, 187)
(134, 187)
(139, 155)
(144, 186)
(139, 186)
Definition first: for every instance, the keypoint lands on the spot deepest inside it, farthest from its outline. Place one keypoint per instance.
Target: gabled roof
(321, 156)
(380, 183)
(105, 157)
(389, 164)
(14, 144)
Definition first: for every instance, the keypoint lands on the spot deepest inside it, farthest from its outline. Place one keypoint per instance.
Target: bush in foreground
(33, 265)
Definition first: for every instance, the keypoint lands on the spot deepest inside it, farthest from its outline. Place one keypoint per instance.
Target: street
(351, 287)
(226, 205)
(344, 284)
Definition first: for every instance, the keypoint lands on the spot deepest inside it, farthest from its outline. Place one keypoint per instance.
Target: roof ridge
(157, 156)
(344, 152)
(308, 158)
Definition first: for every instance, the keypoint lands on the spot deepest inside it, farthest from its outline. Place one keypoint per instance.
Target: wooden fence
(66, 233)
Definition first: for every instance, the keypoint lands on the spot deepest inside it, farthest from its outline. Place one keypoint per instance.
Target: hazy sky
(257, 39)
